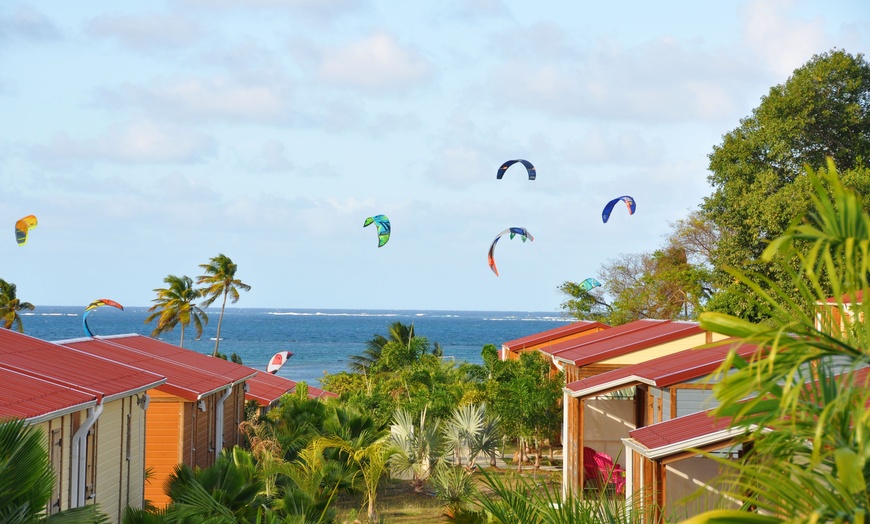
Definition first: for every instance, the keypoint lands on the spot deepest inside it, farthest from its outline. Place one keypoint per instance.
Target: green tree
(801, 399)
(26, 479)
(220, 280)
(175, 305)
(526, 400)
(397, 332)
(11, 305)
(672, 282)
(371, 457)
(757, 172)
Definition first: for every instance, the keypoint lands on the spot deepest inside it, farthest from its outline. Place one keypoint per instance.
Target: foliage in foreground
(801, 401)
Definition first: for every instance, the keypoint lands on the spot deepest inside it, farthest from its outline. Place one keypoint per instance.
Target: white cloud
(781, 39)
(145, 31)
(217, 98)
(615, 148)
(273, 158)
(28, 23)
(374, 64)
(659, 81)
(316, 8)
(142, 142)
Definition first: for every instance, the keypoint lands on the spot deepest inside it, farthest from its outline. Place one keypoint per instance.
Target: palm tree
(220, 280)
(371, 456)
(418, 447)
(175, 305)
(398, 333)
(10, 305)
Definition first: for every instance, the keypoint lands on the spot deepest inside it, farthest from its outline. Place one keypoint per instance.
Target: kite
(514, 231)
(278, 360)
(94, 305)
(529, 167)
(629, 203)
(588, 284)
(383, 224)
(23, 227)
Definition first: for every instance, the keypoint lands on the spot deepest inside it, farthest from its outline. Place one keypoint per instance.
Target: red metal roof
(846, 299)
(696, 429)
(553, 334)
(621, 340)
(184, 378)
(314, 392)
(664, 371)
(27, 397)
(55, 363)
(267, 388)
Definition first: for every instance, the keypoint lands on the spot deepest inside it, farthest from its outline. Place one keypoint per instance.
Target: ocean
(321, 340)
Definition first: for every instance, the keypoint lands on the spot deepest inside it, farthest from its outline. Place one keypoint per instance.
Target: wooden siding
(234, 413)
(163, 442)
(57, 435)
(515, 353)
(573, 373)
(110, 466)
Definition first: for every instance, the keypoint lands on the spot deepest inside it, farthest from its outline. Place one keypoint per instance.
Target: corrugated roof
(103, 377)
(184, 378)
(27, 397)
(664, 371)
(698, 429)
(267, 388)
(621, 340)
(553, 334)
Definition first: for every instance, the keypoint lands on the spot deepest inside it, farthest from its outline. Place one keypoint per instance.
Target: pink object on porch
(600, 468)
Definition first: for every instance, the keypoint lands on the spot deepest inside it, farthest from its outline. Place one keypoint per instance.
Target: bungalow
(193, 416)
(662, 471)
(608, 351)
(660, 389)
(97, 450)
(512, 349)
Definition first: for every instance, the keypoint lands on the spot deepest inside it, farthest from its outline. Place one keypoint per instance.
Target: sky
(149, 137)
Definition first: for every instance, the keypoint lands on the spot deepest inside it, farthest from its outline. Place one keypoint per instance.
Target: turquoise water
(321, 340)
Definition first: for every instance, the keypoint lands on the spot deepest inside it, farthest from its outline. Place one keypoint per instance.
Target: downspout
(560, 367)
(79, 463)
(219, 422)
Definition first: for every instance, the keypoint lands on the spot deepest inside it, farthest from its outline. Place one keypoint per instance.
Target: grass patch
(398, 503)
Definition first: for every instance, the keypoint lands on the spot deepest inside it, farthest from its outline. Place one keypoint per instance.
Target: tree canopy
(758, 171)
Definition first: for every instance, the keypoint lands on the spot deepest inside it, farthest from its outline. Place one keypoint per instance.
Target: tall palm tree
(175, 305)
(10, 305)
(220, 280)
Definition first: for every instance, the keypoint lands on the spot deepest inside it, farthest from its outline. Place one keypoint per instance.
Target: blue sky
(151, 136)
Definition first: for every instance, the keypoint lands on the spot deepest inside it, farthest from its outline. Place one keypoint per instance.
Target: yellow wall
(662, 350)
(120, 464)
(57, 437)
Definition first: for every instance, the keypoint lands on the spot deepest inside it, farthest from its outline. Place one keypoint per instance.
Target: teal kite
(588, 284)
(383, 224)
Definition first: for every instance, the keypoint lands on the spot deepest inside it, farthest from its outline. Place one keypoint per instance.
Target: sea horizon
(321, 339)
